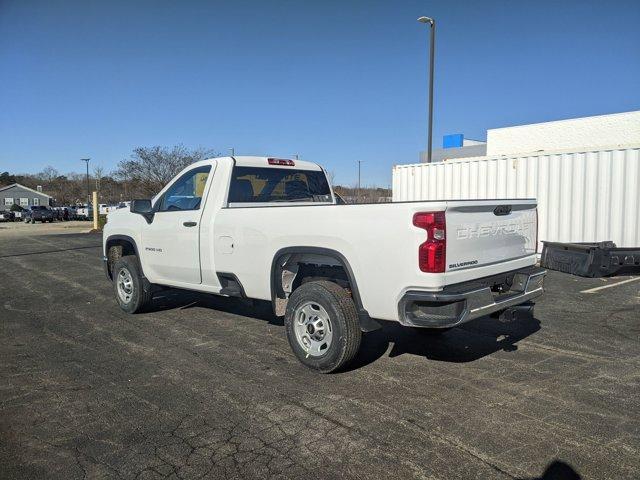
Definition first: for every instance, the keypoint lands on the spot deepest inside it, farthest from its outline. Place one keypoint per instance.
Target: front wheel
(129, 286)
(322, 326)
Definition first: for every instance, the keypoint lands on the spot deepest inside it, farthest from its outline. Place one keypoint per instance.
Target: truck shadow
(467, 343)
(558, 470)
(171, 299)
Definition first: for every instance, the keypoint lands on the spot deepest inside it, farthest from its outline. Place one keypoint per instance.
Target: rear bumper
(457, 304)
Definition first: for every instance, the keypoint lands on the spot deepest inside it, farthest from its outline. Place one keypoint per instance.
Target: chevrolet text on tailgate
(271, 229)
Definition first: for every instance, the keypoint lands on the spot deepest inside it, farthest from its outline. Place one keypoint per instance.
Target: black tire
(140, 297)
(430, 332)
(343, 319)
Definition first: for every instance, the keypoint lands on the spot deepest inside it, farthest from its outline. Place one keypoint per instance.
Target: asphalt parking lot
(206, 387)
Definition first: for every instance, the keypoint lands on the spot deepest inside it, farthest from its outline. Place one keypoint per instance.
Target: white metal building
(614, 130)
(584, 193)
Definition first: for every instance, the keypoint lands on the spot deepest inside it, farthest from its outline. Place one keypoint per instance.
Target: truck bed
(379, 241)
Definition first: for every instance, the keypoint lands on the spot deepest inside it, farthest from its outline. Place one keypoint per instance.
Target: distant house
(23, 196)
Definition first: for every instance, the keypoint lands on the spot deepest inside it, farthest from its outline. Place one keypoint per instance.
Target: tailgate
(486, 232)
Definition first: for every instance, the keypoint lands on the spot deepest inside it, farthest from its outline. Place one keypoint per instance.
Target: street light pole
(432, 47)
(358, 196)
(86, 160)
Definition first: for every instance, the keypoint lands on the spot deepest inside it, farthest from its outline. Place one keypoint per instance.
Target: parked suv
(41, 214)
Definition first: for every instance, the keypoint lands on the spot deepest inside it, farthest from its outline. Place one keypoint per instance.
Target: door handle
(189, 224)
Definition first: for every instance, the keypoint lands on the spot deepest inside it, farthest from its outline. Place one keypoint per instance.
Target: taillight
(281, 161)
(432, 254)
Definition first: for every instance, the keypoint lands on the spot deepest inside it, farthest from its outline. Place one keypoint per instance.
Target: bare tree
(98, 173)
(367, 194)
(48, 174)
(7, 179)
(151, 168)
(143, 175)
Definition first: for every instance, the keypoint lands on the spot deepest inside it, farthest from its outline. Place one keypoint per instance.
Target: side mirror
(142, 207)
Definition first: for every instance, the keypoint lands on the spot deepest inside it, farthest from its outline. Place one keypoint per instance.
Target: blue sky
(334, 81)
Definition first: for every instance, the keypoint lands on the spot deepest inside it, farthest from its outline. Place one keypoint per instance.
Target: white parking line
(592, 290)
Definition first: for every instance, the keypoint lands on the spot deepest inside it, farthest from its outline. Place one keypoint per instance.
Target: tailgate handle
(502, 210)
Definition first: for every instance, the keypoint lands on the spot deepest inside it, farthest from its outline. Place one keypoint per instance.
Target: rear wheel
(322, 326)
(129, 286)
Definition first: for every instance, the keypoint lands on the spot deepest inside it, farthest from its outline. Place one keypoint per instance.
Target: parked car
(7, 216)
(25, 215)
(85, 212)
(63, 214)
(19, 214)
(57, 213)
(271, 229)
(70, 213)
(42, 214)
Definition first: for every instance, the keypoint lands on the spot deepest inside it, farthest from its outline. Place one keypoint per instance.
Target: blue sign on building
(454, 140)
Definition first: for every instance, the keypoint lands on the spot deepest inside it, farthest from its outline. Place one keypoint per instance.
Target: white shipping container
(583, 196)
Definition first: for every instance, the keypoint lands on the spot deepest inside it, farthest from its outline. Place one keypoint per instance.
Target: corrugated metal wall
(586, 196)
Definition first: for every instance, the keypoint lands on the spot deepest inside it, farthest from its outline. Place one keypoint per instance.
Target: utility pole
(86, 160)
(358, 196)
(432, 47)
(232, 151)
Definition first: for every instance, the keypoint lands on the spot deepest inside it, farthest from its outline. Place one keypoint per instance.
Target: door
(171, 242)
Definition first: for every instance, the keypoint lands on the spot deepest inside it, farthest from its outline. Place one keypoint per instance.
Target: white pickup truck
(272, 229)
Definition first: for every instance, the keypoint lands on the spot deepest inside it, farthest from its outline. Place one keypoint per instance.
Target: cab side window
(186, 192)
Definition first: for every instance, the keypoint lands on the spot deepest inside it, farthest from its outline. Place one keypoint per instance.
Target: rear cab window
(257, 185)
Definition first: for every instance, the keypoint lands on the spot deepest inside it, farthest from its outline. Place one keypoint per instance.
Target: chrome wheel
(125, 285)
(313, 329)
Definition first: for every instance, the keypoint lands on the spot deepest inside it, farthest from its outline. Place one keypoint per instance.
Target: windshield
(261, 185)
